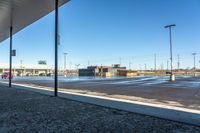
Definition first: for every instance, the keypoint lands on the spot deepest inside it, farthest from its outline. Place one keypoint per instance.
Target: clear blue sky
(103, 31)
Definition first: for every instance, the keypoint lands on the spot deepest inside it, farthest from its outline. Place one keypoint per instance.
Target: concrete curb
(188, 116)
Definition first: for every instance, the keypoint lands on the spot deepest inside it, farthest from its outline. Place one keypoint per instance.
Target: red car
(6, 75)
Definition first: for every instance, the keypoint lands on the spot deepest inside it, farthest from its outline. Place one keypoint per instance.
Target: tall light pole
(21, 63)
(161, 66)
(21, 67)
(145, 66)
(65, 57)
(194, 54)
(167, 65)
(178, 63)
(132, 64)
(129, 65)
(172, 77)
(140, 68)
(155, 62)
(120, 61)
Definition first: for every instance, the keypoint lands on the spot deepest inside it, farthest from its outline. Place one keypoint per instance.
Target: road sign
(14, 52)
(42, 62)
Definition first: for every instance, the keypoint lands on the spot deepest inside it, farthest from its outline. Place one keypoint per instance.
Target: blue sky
(103, 31)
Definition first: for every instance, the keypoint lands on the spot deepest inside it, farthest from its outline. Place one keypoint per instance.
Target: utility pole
(172, 77)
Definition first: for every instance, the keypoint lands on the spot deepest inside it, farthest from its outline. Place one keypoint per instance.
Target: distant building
(87, 72)
(106, 71)
(127, 73)
(26, 70)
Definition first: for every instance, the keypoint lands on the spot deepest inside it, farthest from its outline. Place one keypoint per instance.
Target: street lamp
(21, 74)
(172, 76)
(167, 65)
(65, 54)
(194, 54)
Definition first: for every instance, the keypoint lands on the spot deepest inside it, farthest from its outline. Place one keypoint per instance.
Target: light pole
(140, 68)
(21, 63)
(120, 61)
(65, 56)
(167, 65)
(172, 76)
(155, 64)
(145, 67)
(178, 63)
(129, 65)
(194, 54)
(21, 67)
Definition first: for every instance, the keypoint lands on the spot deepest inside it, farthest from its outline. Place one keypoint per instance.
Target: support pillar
(56, 50)
(10, 68)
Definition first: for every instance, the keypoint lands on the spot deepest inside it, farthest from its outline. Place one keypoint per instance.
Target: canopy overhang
(21, 13)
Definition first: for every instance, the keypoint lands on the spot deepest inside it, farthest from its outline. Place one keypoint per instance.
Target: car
(49, 74)
(42, 74)
(6, 75)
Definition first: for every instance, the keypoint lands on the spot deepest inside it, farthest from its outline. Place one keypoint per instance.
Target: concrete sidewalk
(25, 111)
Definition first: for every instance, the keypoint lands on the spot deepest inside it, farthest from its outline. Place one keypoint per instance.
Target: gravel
(26, 111)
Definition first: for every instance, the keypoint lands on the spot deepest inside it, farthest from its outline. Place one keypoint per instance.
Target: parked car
(42, 74)
(49, 74)
(6, 75)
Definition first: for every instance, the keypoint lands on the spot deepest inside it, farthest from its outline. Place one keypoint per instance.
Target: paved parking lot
(185, 92)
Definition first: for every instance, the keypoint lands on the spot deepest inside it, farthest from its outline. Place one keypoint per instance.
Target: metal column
(10, 69)
(172, 77)
(171, 59)
(56, 50)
